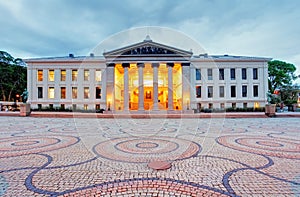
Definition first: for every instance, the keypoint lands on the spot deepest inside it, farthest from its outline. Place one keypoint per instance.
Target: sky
(263, 28)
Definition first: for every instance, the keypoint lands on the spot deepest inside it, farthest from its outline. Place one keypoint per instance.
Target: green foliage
(13, 76)
(289, 94)
(280, 74)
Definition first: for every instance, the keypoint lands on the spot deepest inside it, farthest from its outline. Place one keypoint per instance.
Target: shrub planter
(25, 109)
(270, 110)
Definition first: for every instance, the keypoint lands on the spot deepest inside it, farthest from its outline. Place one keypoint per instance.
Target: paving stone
(109, 157)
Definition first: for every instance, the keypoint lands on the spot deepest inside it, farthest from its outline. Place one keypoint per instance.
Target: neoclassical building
(148, 76)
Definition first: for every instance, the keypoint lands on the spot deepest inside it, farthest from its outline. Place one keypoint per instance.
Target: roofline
(144, 42)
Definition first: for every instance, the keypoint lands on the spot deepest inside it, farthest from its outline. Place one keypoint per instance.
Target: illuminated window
(40, 75)
(51, 75)
(86, 92)
(62, 92)
(63, 75)
(86, 75)
(98, 75)
(98, 92)
(198, 91)
(85, 107)
(74, 75)
(74, 92)
(51, 93)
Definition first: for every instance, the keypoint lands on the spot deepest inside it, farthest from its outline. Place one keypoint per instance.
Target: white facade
(147, 76)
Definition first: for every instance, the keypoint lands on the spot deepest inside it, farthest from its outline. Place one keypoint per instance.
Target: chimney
(71, 55)
(92, 55)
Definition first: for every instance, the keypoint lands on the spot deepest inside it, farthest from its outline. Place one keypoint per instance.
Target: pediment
(148, 48)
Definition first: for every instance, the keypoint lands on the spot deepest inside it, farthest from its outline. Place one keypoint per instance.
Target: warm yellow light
(133, 65)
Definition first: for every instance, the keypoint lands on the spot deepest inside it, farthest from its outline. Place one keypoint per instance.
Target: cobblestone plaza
(109, 157)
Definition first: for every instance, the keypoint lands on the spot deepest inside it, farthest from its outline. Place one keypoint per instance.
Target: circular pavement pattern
(141, 150)
(149, 188)
(16, 146)
(277, 147)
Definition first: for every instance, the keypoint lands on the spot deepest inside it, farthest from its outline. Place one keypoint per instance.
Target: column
(126, 86)
(110, 86)
(170, 86)
(141, 86)
(155, 85)
(186, 86)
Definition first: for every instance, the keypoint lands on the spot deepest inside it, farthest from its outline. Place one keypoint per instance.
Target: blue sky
(38, 28)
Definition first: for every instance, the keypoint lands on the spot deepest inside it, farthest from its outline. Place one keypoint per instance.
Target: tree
(13, 76)
(289, 94)
(281, 74)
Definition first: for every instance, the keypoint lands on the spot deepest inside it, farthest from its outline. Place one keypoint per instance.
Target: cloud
(35, 28)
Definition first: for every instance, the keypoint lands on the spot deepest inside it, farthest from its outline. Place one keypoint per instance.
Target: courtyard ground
(109, 157)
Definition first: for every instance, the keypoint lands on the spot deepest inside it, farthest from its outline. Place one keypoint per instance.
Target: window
(221, 91)
(62, 92)
(98, 92)
(221, 74)
(85, 107)
(255, 90)
(97, 107)
(40, 92)
(244, 91)
(74, 106)
(209, 74)
(233, 105)
(40, 75)
(74, 75)
(232, 73)
(62, 106)
(245, 105)
(63, 75)
(198, 91)
(98, 75)
(86, 75)
(232, 91)
(74, 92)
(51, 75)
(51, 93)
(86, 92)
(210, 91)
(244, 73)
(198, 74)
(210, 105)
(255, 74)
(222, 105)
(39, 106)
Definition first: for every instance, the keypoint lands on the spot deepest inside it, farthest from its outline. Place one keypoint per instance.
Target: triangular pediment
(148, 48)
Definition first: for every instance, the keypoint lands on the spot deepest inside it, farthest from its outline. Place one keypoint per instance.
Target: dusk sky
(264, 28)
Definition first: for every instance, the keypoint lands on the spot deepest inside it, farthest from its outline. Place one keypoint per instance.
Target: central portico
(148, 76)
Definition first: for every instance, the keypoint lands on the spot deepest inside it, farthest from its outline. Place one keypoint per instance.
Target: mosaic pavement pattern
(109, 157)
